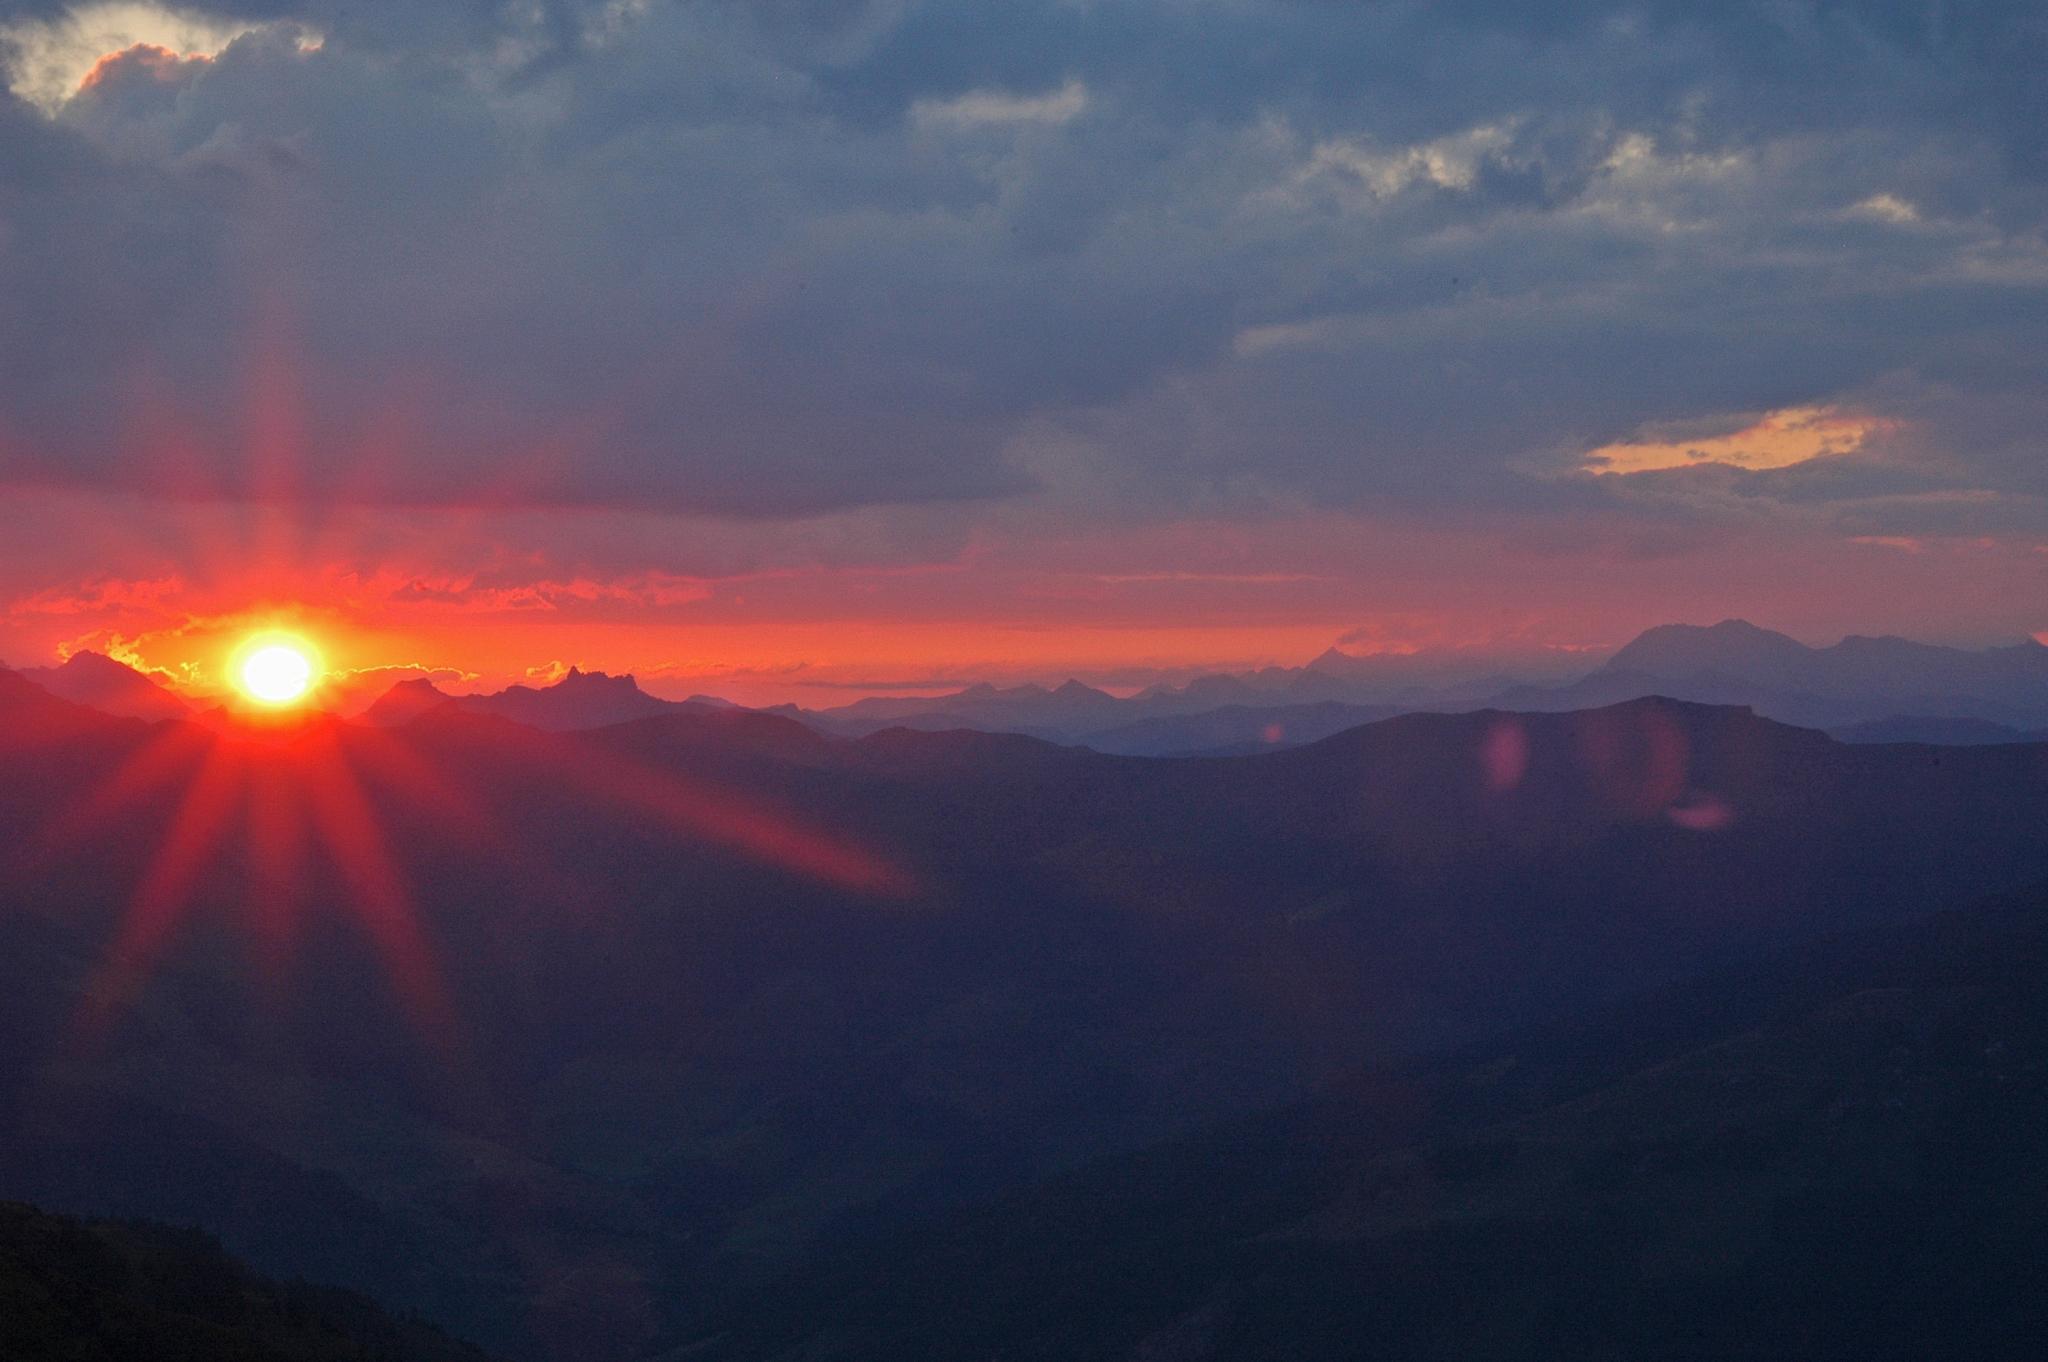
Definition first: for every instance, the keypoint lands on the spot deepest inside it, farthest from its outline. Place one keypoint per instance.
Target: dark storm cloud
(773, 258)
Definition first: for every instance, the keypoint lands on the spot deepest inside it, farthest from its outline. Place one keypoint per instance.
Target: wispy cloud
(980, 108)
(1778, 439)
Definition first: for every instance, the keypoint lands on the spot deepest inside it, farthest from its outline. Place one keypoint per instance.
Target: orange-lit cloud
(145, 59)
(1778, 439)
(72, 51)
(102, 595)
(469, 594)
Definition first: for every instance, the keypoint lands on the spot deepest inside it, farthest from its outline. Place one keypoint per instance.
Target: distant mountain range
(1234, 729)
(1937, 732)
(1863, 689)
(1859, 681)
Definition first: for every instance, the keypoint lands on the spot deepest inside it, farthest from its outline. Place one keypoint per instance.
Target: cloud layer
(1119, 263)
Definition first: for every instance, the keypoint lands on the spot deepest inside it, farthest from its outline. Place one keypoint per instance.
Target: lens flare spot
(1504, 754)
(1701, 812)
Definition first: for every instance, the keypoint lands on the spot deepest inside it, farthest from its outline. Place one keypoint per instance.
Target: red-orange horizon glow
(364, 648)
(223, 534)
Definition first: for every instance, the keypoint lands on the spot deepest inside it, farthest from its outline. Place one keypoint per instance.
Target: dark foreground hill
(1841, 1154)
(555, 1036)
(124, 1292)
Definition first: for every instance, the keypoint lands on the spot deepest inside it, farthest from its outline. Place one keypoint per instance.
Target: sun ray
(276, 424)
(276, 820)
(377, 893)
(165, 890)
(441, 794)
(724, 817)
(152, 768)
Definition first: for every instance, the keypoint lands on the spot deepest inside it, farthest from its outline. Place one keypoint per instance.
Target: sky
(795, 348)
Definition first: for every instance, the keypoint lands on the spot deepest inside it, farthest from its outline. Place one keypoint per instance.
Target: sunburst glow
(283, 820)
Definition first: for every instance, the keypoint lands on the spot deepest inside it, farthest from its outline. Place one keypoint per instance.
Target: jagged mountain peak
(109, 685)
(578, 679)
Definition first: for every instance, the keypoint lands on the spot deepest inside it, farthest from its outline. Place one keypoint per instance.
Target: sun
(276, 671)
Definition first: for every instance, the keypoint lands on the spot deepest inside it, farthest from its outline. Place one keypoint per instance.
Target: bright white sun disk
(277, 674)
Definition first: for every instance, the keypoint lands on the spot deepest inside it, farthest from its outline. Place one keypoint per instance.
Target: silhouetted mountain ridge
(1233, 729)
(1893, 675)
(1936, 731)
(405, 701)
(31, 715)
(579, 700)
(102, 683)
